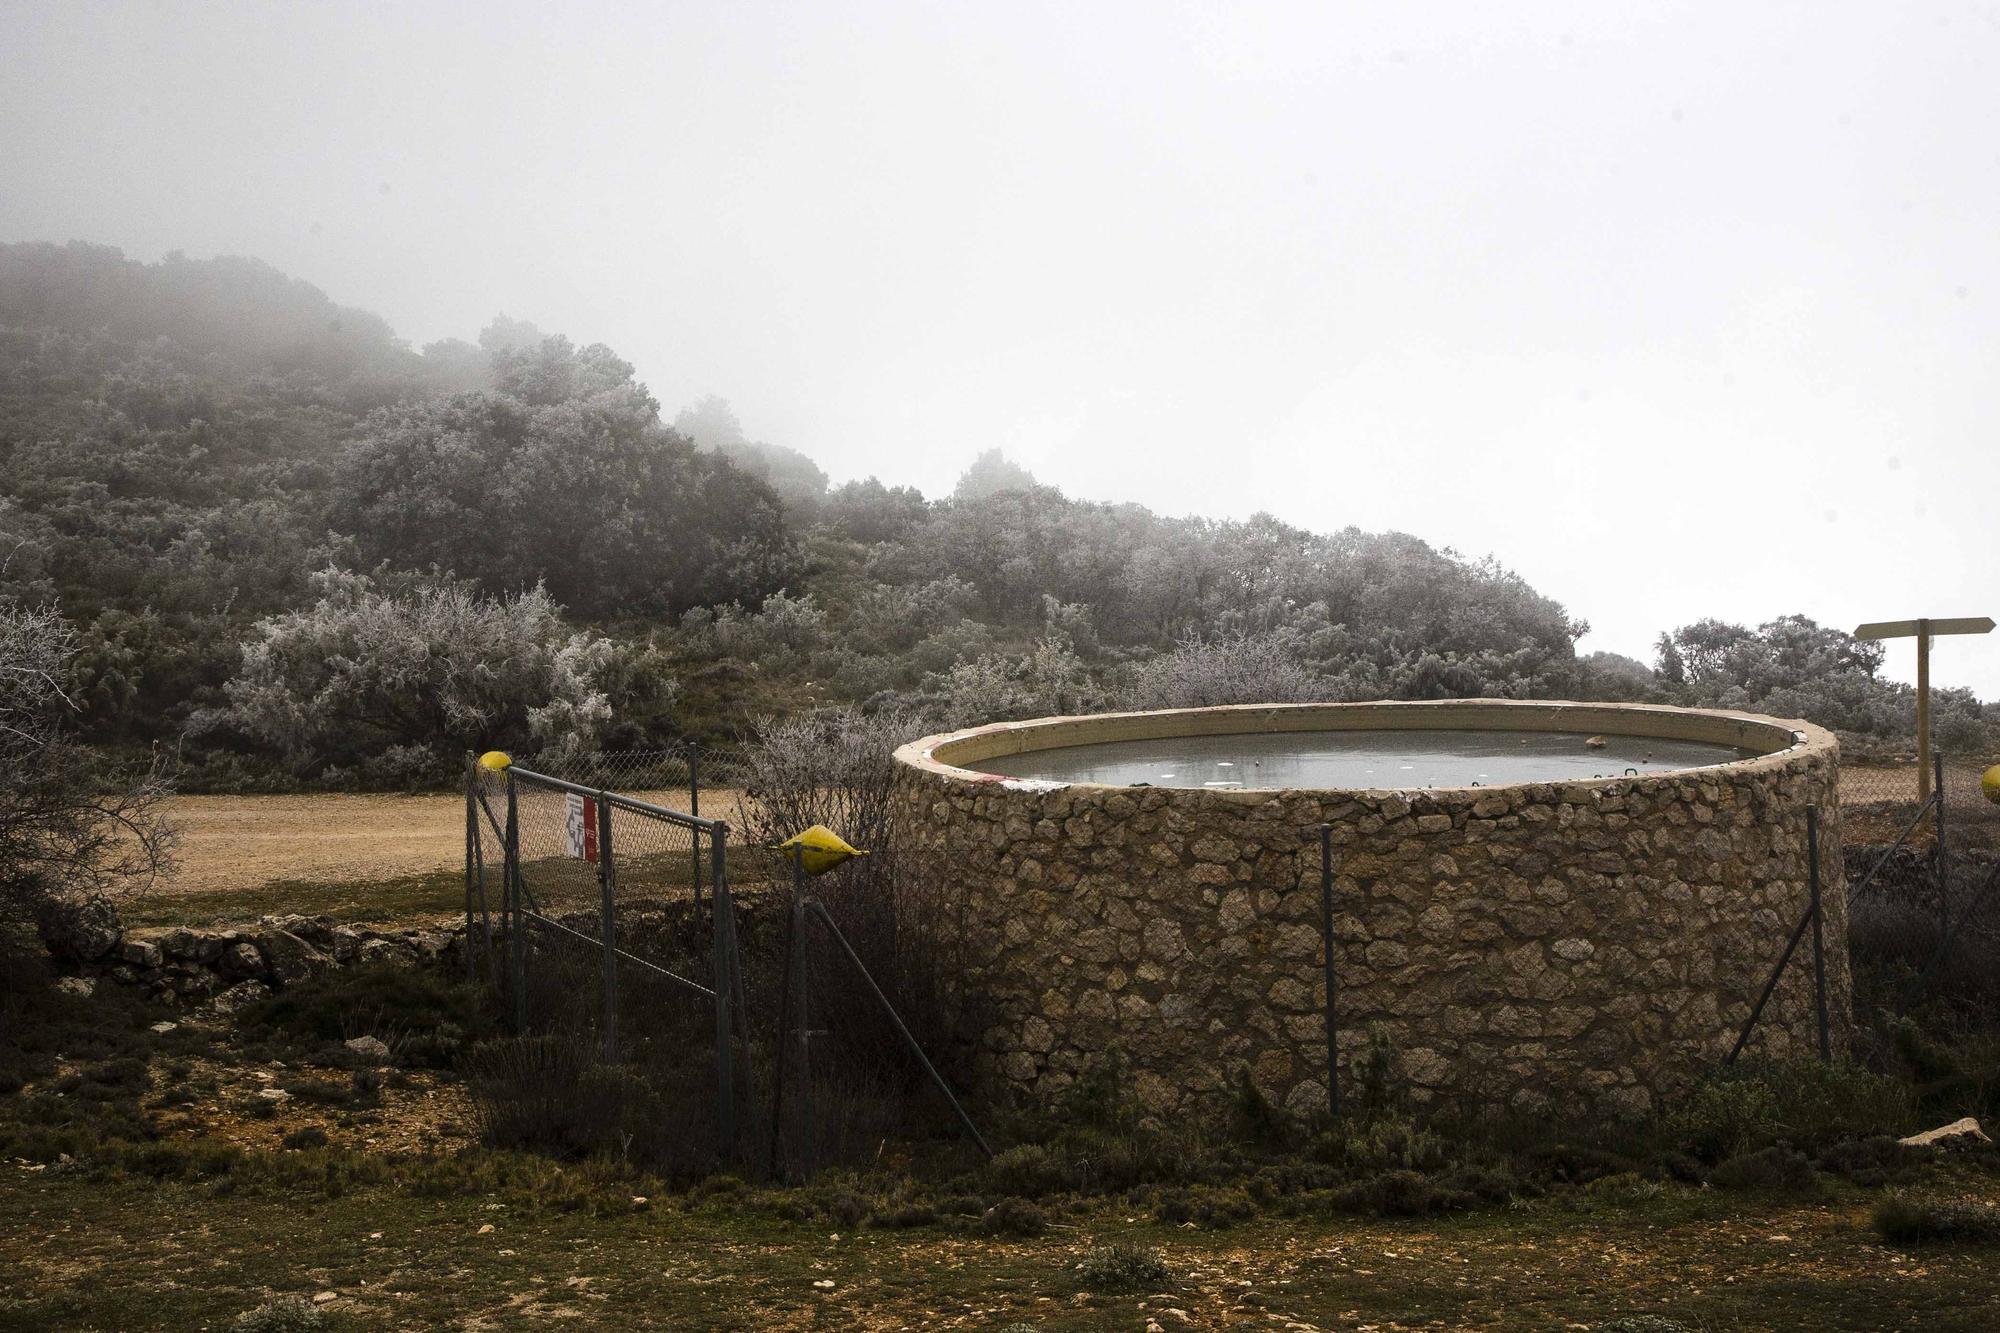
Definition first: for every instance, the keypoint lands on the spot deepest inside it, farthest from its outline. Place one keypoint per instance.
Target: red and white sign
(580, 827)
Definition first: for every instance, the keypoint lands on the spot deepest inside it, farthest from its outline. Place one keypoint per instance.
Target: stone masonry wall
(1590, 944)
(229, 967)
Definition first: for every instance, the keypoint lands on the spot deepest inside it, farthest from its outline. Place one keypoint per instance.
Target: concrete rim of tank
(1782, 743)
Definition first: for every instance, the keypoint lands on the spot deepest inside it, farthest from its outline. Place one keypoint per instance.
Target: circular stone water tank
(1535, 904)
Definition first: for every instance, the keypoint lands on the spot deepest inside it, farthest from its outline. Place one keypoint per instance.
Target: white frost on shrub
(395, 674)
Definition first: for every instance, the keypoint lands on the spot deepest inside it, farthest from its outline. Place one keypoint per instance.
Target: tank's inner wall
(965, 749)
(1601, 940)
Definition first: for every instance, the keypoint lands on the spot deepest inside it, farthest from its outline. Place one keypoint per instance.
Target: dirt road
(232, 843)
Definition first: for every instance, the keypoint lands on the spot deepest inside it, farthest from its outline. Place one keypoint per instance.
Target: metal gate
(615, 921)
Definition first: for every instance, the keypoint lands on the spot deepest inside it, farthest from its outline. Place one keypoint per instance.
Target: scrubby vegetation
(235, 489)
(264, 1112)
(1901, 1217)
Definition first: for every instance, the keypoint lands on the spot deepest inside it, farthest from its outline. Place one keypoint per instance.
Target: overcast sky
(1679, 310)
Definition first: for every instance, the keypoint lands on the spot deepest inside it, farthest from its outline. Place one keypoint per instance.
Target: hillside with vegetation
(292, 548)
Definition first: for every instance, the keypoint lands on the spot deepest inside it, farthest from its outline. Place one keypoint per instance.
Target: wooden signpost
(1922, 630)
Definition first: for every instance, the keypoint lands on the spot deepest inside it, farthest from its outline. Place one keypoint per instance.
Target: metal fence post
(1326, 937)
(471, 854)
(694, 808)
(517, 944)
(723, 940)
(802, 945)
(1819, 947)
(608, 884)
(1937, 845)
(485, 911)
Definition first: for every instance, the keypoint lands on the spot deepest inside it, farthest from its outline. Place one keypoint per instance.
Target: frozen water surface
(1360, 759)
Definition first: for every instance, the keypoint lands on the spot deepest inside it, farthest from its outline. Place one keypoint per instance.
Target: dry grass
(233, 846)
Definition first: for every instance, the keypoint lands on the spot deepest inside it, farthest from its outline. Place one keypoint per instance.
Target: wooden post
(1922, 630)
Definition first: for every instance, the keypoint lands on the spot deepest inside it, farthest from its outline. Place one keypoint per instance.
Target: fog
(1682, 314)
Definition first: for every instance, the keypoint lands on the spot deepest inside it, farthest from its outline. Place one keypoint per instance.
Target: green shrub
(1874, 1161)
(716, 1185)
(1028, 1169)
(1779, 1167)
(1122, 1267)
(1014, 1217)
(1723, 1116)
(1377, 1074)
(1256, 1120)
(1575, 1163)
(1205, 1205)
(1902, 1218)
(312, 1136)
(427, 1019)
(120, 1079)
(553, 1095)
(287, 1314)
(1101, 1098)
(1754, 1106)
(904, 1216)
(1929, 1060)
(1383, 1143)
(1644, 1323)
(178, 1159)
(1955, 1077)
(846, 1209)
(1398, 1193)
(344, 1093)
(1483, 1184)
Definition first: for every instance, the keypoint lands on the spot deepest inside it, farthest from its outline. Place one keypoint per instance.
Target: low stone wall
(235, 965)
(1595, 942)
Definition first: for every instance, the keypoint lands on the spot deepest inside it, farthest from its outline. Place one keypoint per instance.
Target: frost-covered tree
(561, 474)
(72, 829)
(393, 676)
(990, 474)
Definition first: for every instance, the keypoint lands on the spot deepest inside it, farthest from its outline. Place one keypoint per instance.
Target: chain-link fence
(608, 925)
(1921, 874)
(1878, 800)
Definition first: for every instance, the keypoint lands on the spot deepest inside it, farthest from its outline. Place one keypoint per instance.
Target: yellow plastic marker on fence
(496, 760)
(1989, 782)
(820, 849)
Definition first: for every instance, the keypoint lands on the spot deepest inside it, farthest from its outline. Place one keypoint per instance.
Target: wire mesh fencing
(608, 924)
(1922, 873)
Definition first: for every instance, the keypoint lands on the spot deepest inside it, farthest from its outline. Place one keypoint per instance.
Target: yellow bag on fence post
(820, 849)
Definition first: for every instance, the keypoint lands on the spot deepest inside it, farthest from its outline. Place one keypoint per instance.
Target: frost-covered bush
(1238, 669)
(394, 676)
(1048, 680)
(831, 767)
(887, 618)
(836, 767)
(785, 630)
